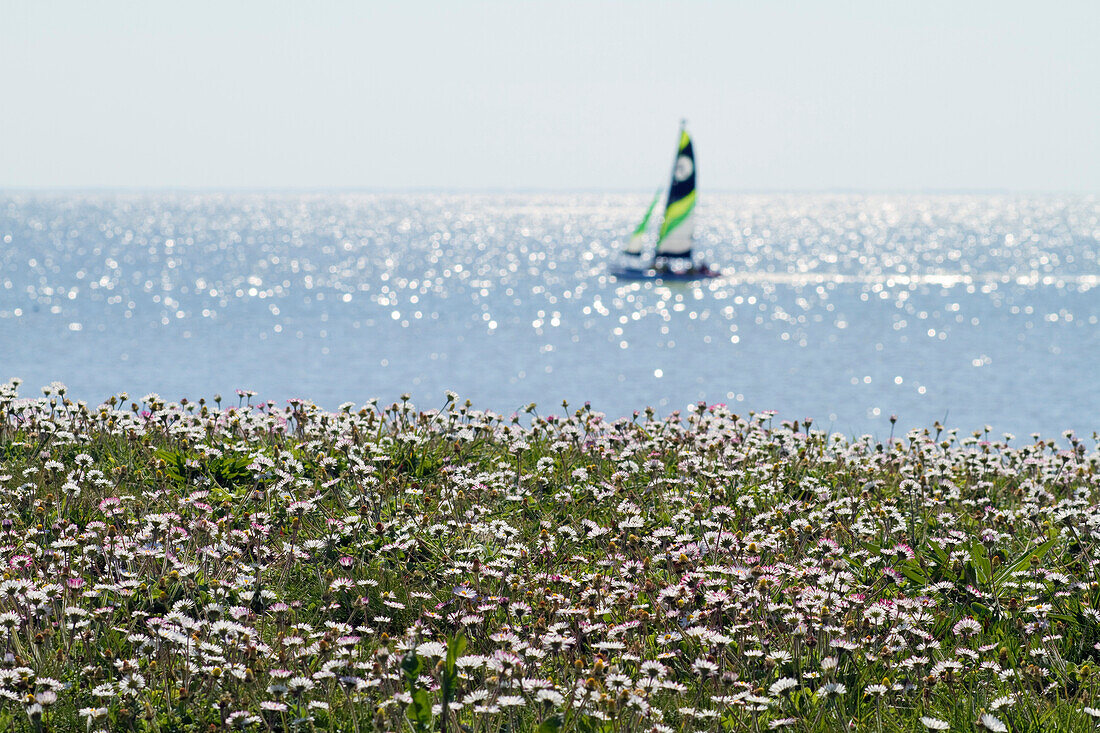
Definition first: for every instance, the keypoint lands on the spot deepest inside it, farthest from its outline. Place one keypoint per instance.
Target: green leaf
(586, 725)
(410, 665)
(419, 711)
(455, 648)
(550, 725)
(941, 554)
(912, 571)
(1024, 559)
(981, 609)
(983, 568)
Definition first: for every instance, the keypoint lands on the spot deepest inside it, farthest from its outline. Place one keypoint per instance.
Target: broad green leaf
(410, 665)
(1022, 561)
(941, 554)
(419, 711)
(550, 725)
(982, 565)
(912, 571)
(455, 648)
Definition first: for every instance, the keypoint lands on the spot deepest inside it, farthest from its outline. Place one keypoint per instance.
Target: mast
(678, 229)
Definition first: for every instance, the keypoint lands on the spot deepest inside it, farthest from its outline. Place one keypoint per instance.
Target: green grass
(183, 567)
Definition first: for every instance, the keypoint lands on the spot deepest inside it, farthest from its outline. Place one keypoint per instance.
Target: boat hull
(650, 273)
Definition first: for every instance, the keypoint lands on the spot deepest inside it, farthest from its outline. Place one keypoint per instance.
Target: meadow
(211, 565)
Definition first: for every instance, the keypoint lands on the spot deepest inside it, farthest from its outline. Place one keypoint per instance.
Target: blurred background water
(969, 309)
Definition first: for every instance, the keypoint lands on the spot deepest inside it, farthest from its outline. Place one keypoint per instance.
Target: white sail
(678, 242)
(634, 246)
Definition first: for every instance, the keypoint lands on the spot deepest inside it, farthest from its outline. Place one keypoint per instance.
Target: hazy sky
(551, 95)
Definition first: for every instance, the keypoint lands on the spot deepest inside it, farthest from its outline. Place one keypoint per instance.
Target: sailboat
(676, 236)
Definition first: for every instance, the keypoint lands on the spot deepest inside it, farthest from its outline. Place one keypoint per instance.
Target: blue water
(971, 310)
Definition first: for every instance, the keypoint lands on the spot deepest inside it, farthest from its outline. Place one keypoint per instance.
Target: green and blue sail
(677, 228)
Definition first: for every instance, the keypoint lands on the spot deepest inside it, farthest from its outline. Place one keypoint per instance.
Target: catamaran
(677, 234)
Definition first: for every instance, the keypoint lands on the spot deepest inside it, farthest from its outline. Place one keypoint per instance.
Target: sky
(779, 95)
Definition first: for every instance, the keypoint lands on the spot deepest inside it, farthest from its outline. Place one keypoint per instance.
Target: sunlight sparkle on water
(973, 309)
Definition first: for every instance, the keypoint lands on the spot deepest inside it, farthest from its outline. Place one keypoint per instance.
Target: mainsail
(677, 229)
(634, 246)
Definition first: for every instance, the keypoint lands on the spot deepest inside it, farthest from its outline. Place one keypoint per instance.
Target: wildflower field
(194, 566)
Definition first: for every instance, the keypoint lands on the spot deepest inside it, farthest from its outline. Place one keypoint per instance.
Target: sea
(870, 314)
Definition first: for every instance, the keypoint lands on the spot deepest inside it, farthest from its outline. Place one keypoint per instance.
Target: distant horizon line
(529, 190)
